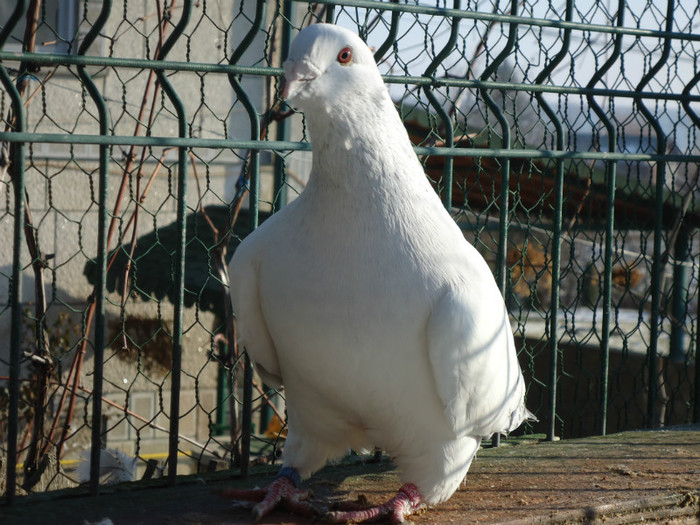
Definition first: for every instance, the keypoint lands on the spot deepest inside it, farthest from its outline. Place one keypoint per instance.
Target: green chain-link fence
(142, 139)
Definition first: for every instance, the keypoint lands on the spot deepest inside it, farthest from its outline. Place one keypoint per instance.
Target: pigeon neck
(359, 145)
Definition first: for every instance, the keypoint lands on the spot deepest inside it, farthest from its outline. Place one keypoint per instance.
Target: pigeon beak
(289, 87)
(296, 76)
(286, 87)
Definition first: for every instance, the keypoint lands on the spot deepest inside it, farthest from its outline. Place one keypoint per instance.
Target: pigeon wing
(252, 330)
(473, 359)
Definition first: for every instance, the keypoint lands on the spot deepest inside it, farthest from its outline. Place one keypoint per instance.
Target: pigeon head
(328, 66)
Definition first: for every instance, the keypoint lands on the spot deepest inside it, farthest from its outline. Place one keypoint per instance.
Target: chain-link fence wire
(142, 140)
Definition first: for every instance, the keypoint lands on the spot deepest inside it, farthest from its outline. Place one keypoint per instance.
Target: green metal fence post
(657, 263)
(247, 414)
(16, 156)
(696, 120)
(391, 37)
(696, 386)
(679, 294)
(505, 145)
(179, 255)
(610, 184)
(101, 266)
(556, 235)
(280, 187)
(254, 208)
(557, 227)
(501, 271)
(330, 13)
(444, 117)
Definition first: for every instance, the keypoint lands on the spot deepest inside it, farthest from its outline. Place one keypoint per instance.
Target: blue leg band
(291, 474)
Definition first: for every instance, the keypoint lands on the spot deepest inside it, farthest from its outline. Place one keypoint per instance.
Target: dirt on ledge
(623, 478)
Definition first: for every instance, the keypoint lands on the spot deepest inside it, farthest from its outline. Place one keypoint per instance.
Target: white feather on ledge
(115, 467)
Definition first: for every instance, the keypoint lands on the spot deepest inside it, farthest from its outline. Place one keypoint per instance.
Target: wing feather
(474, 362)
(252, 331)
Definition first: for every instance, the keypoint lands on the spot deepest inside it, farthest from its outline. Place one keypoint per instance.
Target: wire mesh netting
(142, 140)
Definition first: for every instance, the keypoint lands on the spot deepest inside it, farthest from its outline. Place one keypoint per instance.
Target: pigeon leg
(407, 501)
(284, 492)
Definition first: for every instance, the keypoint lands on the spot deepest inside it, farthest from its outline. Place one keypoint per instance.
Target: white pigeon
(364, 299)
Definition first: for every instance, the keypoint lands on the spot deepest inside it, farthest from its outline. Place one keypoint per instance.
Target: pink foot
(280, 493)
(407, 501)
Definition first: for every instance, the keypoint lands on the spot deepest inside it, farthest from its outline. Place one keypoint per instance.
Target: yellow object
(275, 428)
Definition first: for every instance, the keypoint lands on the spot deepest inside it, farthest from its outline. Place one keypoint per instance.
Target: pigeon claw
(406, 502)
(281, 493)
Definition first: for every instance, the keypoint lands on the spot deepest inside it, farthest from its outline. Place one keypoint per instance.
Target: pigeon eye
(345, 55)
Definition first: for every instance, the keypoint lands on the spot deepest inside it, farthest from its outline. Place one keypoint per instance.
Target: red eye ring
(345, 55)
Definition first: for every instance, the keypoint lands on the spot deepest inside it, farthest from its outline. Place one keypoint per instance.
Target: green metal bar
(254, 193)
(504, 162)
(447, 170)
(101, 266)
(511, 19)
(657, 263)
(222, 393)
(696, 389)
(531, 88)
(265, 410)
(686, 99)
(114, 140)
(49, 59)
(610, 185)
(505, 146)
(391, 37)
(282, 132)
(181, 218)
(679, 297)
(15, 17)
(228, 69)
(330, 11)
(249, 36)
(246, 414)
(254, 163)
(18, 179)
(557, 228)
